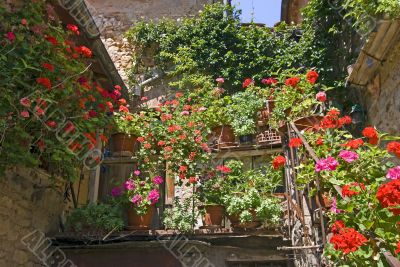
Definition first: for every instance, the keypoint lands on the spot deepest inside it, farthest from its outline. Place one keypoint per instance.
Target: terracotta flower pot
(213, 215)
(308, 122)
(123, 143)
(223, 136)
(235, 221)
(140, 222)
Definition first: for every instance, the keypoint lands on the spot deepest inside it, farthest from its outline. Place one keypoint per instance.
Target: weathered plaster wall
(28, 202)
(382, 96)
(113, 18)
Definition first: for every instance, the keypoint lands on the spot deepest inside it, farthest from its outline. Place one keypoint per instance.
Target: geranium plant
(140, 191)
(361, 179)
(295, 95)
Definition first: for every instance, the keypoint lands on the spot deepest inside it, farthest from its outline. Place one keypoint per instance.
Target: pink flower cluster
(348, 156)
(328, 164)
(394, 173)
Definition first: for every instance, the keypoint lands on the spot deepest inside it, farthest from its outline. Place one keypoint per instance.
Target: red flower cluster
(278, 162)
(312, 76)
(45, 82)
(397, 251)
(347, 190)
(83, 50)
(52, 40)
(269, 81)
(354, 144)
(247, 82)
(394, 147)
(73, 28)
(292, 81)
(332, 120)
(371, 134)
(295, 142)
(346, 239)
(337, 226)
(389, 196)
(319, 142)
(48, 66)
(223, 169)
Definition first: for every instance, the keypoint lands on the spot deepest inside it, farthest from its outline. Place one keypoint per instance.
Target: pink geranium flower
(328, 164)
(129, 185)
(116, 192)
(137, 199)
(334, 208)
(220, 80)
(137, 172)
(10, 36)
(153, 196)
(348, 156)
(158, 180)
(25, 114)
(321, 96)
(25, 102)
(394, 173)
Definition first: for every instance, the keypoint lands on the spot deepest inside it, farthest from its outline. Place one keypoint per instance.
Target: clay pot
(223, 136)
(213, 215)
(308, 122)
(122, 142)
(140, 222)
(235, 221)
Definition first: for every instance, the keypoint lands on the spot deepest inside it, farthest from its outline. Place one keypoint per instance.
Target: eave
(374, 52)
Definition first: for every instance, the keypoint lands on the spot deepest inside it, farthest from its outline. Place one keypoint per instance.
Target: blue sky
(265, 11)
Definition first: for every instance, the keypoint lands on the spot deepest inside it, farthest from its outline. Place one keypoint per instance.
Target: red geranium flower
(394, 147)
(295, 142)
(52, 40)
(183, 168)
(397, 251)
(269, 81)
(346, 120)
(388, 195)
(45, 82)
(73, 28)
(161, 143)
(347, 190)
(293, 81)
(319, 142)
(348, 240)
(312, 76)
(371, 134)
(140, 139)
(278, 162)
(83, 50)
(223, 169)
(147, 146)
(123, 109)
(247, 82)
(48, 66)
(337, 227)
(354, 144)
(51, 124)
(192, 180)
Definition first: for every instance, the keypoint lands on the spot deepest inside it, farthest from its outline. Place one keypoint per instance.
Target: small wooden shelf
(119, 160)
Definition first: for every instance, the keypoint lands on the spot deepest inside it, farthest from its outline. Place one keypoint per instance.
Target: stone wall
(28, 202)
(113, 18)
(382, 96)
(291, 10)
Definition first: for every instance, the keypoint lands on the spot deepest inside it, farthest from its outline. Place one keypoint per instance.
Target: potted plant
(251, 201)
(243, 110)
(180, 217)
(295, 100)
(95, 218)
(126, 127)
(141, 194)
(212, 191)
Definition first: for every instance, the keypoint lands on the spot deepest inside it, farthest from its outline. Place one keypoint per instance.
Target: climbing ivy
(215, 45)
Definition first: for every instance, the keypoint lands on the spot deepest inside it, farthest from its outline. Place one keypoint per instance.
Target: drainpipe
(137, 90)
